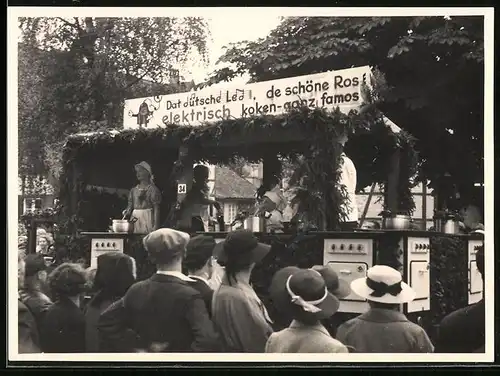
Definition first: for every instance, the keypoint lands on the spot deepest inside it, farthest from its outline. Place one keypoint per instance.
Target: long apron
(144, 223)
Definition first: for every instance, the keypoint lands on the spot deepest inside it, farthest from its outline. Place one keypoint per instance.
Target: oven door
(476, 282)
(420, 279)
(349, 271)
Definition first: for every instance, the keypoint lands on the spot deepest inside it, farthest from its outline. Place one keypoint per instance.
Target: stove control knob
(97, 245)
(108, 245)
(102, 245)
(114, 245)
(333, 247)
(360, 247)
(342, 247)
(351, 247)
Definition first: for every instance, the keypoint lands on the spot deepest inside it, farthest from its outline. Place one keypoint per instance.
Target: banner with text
(340, 88)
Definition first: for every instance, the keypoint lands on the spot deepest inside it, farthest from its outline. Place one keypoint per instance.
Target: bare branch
(75, 25)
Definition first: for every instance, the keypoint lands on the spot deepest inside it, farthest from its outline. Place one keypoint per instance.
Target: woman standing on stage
(144, 201)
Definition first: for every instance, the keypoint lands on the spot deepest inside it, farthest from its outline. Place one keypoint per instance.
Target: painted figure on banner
(144, 201)
(143, 115)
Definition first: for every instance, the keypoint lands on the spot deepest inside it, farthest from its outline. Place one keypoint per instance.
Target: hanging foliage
(301, 134)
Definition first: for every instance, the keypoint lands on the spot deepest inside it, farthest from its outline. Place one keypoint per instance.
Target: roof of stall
(288, 134)
(218, 142)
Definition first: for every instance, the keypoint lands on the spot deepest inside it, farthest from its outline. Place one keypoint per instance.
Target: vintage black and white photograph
(193, 182)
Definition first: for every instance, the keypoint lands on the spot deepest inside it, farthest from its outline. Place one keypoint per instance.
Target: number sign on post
(181, 188)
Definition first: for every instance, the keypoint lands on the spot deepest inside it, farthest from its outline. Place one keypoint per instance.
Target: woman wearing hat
(307, 296)
(237, 311)
(144, 201)
(384, 329)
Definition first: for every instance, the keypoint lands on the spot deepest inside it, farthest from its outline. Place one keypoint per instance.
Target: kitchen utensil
(450, 226)
(255, 224)
(121, 225)
(396, 222)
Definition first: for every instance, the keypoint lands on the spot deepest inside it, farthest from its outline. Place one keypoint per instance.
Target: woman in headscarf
(194, 210)
(237, 311)
(115, 273)
(144, 201)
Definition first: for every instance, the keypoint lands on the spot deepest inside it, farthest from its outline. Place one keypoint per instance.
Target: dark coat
(93, 311)
(37, 302)
(206, 292)
(162, 310)
(63, 328)
(462, 331)
(27, 331)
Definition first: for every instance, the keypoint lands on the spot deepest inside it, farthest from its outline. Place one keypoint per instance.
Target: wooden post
(424, 204)
(31, 227)
(393, 183)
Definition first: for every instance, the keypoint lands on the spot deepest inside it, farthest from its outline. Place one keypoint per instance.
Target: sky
(227, 30)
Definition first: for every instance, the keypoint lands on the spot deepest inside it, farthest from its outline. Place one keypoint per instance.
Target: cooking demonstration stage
(98, 176)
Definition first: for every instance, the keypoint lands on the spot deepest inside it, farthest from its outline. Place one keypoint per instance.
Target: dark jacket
(63, 328)
(27, 331)
(37, 302)
(114, 332)
(93, 311)
(206, 292)
(462, 331)
(163, 310)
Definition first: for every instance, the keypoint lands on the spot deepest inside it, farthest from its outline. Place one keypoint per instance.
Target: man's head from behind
(35, 271)
(166, 247)
(199, 254)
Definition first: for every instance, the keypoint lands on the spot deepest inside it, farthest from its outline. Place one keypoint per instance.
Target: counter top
(358, 234)
(109, 234)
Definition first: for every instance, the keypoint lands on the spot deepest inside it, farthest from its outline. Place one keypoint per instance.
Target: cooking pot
(451, 226)
(396, 222)
(122, 225)
(447, 226)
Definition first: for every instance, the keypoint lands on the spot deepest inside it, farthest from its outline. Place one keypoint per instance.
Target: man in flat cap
(199, 264)
(165, 311)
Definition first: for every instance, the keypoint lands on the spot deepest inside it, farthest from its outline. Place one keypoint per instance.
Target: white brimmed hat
(383, 284)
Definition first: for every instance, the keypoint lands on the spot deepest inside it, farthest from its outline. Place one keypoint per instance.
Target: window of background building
(230, 212)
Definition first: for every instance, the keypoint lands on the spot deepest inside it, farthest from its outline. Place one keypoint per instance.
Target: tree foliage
(74, 74)
(433, 67)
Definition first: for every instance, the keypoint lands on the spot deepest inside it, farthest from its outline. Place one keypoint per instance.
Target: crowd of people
(178, 310)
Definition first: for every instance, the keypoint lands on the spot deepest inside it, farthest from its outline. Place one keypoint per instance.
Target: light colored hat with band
(383, 284)
(302, 293)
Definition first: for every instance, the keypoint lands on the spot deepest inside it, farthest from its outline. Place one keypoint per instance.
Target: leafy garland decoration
(304, 135)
